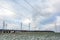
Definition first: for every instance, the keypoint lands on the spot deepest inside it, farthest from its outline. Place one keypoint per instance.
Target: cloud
(26, 21)
(58, 24)
(13, 26)
(58, 19)
(49, 27)
(43, 11)
(6, 11)
(55, 26)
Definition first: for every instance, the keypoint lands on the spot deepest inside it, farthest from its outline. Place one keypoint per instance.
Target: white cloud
(13, 26)
(58, 19)
(6, 10)
(58, 24)
(49, 26)
(53, 26)
(26, 21)
(45, 10)
(6, 13)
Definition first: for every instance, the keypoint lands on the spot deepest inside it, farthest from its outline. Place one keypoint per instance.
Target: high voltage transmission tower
(55, 27)
(21, 25)
(3, 24)
(29, 25)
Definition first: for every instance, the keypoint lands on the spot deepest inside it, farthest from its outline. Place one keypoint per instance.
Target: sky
(40, 14)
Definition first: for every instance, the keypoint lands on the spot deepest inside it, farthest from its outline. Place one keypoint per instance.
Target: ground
(30, 36)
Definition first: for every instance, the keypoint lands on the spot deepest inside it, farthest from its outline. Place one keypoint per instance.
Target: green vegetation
(30, 36)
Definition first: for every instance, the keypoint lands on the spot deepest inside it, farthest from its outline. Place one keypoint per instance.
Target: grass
(30, 36)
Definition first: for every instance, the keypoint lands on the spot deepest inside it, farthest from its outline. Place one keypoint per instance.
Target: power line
(30, 5)
(35, 9)
(17, 4)
(22, 6)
